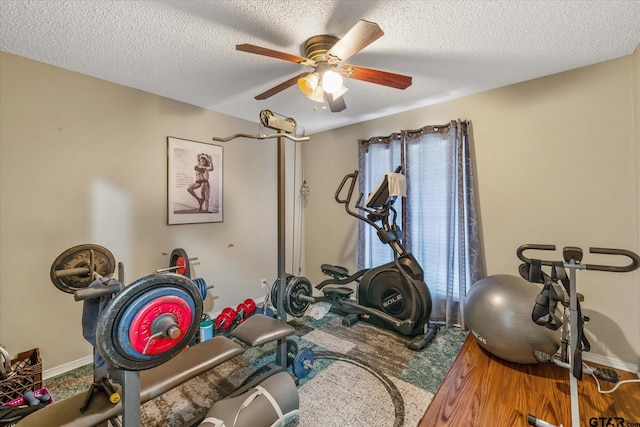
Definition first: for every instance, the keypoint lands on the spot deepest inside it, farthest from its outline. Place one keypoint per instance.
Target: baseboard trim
(611, 362)
(63, 369)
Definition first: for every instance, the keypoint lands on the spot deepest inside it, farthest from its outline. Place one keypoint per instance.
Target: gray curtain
(439, 216)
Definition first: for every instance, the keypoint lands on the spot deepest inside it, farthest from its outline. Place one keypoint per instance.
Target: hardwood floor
(481, 390)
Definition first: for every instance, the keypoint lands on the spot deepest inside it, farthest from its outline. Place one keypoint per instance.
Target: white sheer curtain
(439, 214)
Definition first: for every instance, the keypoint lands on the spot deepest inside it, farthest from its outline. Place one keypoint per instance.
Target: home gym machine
(393, 295)
(142, 332)
(560, 288)
(284, 126)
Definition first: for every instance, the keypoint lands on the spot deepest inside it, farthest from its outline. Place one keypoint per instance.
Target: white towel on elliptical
(397, 183)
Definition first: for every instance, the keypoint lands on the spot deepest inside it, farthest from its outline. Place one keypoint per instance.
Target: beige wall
(556, 161)
(84, 161)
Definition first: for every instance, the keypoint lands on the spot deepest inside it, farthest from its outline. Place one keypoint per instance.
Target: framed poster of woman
(194, 192)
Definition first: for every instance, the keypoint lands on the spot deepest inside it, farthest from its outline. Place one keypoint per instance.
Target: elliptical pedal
(420, 341)
(350, 320)
(606, 374)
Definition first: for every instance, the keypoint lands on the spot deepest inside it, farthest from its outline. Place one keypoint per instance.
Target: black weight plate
(274, 293)
(116, 314)
(294, 305)
(180, 253)
(292, 347)
(78, 257)
(275, 290)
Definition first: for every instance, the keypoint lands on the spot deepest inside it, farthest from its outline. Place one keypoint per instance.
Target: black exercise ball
(497, 311)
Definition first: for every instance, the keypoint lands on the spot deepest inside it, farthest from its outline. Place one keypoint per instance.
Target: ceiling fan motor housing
(316, 47)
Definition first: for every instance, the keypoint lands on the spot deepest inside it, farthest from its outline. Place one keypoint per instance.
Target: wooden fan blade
(370, 75)
(282, 86)
(335, 105)
(357, 38)
(275, 54)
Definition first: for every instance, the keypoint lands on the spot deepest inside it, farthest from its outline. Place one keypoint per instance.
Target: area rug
(362, 376)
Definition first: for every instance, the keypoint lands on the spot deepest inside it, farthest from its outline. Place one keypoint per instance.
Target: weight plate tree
(149, 322)
(72, 270)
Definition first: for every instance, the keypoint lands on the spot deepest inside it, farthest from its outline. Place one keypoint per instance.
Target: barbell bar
(175, 267)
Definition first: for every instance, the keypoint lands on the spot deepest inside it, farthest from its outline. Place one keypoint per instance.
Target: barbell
(149, 322)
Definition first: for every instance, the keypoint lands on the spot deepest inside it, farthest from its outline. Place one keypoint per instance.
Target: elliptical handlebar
(635, 259)
(347, 201)
(353, 177)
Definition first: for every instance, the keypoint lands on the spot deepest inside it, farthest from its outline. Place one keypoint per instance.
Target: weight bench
(189, 363)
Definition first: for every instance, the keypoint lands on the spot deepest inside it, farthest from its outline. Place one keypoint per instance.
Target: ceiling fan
(325, 54)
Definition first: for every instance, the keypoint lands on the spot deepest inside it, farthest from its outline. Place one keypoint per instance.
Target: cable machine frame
(284, 127)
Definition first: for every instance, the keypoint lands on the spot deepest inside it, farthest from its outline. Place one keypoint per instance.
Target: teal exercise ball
(497, 311)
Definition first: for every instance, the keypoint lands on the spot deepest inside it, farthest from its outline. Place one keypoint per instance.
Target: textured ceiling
(185, 50)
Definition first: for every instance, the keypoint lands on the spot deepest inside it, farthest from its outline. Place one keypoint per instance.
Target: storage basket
(26, 375)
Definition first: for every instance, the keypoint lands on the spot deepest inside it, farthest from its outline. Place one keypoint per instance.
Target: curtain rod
(396, 135)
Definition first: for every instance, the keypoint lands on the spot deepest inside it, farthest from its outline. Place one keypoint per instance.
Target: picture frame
(194, 182)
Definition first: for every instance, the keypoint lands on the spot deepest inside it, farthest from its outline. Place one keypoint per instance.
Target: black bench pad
(260, 329)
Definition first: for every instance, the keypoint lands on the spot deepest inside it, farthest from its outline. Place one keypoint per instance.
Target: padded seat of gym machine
(336, 271)
(260, 329)
(188, 364)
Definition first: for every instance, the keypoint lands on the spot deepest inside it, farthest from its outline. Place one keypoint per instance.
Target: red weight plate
(140, 331)
(182, 264)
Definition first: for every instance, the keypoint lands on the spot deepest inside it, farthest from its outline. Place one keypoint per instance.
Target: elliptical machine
(393, 295)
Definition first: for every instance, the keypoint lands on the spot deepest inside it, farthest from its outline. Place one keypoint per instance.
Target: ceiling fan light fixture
(317, 95)
(337, 94)
(331, 81)
(308, 83)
